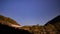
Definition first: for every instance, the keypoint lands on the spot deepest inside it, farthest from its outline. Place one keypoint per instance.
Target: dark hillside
(55, 22)
(6, 19)
(4, 29)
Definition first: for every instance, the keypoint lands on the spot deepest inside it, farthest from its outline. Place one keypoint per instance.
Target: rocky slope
(10, 26)
(55, 22)
(51, 27)
(6, 20)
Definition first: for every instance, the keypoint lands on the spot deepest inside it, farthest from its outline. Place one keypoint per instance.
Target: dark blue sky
(30, 12)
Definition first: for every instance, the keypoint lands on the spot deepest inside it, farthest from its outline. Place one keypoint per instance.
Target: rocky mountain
(6, 20)
(51, 27)
(55, 22)
(8, 25)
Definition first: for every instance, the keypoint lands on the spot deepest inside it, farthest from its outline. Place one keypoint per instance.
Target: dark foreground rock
(4, 29)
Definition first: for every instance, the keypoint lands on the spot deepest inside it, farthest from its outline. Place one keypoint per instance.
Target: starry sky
(30, 12)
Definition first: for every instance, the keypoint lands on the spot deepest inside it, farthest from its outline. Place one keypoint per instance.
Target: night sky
(30, 12)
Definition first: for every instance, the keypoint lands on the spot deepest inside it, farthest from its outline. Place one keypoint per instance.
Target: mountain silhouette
(9, 26)
(9, 20)
(55, 22)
